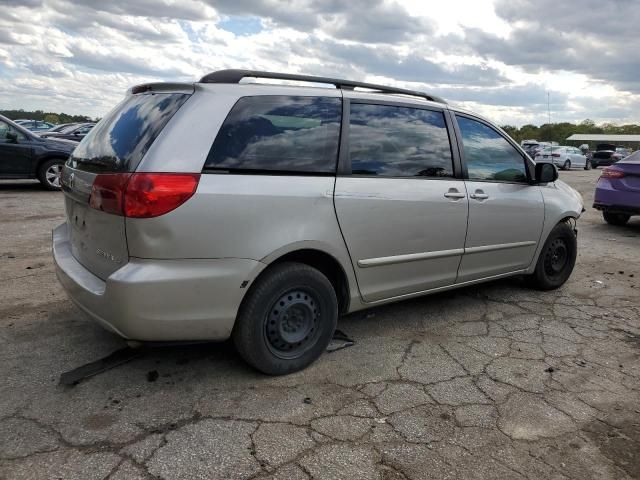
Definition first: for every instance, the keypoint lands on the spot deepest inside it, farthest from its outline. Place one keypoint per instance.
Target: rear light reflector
(107, 192)
(142, 195)
(612, 173)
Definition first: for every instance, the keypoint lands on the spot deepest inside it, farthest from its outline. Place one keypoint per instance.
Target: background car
(61, 127)
(23, 154)
(36, 125)
(618, 190)
(564, 157)
(74, 133)
(607, 154)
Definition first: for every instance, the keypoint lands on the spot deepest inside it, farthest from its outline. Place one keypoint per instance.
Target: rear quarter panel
(258, 217)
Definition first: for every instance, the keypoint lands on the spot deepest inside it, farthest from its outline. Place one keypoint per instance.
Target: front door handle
(479, 195)
(453, 193)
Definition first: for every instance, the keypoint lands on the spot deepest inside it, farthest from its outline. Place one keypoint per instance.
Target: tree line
(50, 117)
(558, 132)
(548, 132)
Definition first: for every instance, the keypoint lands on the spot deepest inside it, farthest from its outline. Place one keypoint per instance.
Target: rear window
(280, 134)
(120, 140)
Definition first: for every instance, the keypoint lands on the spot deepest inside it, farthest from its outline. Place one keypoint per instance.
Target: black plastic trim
(344, 158)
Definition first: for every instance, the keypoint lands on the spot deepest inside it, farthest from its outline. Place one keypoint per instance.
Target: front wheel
(618, 219)
(567, 165)
(49, 173)
(556, 260)
(287, 319)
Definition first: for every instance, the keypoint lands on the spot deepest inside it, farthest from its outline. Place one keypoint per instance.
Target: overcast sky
(499, 57)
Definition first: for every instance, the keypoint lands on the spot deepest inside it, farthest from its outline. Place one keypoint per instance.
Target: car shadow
(630, 229)
(24, 185)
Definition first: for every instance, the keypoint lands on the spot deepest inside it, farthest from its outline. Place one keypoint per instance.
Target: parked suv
(262, 212)
(24, 154)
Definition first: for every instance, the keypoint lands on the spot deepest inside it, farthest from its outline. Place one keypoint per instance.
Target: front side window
(280, 134)
(488, 155)
(7, 132)
(398, 142)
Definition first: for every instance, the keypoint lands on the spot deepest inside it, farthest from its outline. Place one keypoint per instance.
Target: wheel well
(570, 220)
(47, 158)
(328, 265)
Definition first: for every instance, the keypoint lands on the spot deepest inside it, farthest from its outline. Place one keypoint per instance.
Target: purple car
(618, 190)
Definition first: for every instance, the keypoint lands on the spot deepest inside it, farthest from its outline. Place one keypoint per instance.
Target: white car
(563, 157)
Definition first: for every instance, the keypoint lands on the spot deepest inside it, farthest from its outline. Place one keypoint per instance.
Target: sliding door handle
(454, 193)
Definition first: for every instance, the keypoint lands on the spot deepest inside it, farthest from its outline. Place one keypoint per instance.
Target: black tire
(567, 165)
(287, 319)
(556, 260)
(618, 219)
(46, 174)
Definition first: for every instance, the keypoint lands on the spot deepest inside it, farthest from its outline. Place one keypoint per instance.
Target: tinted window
(489, 156)
(398, 142)
(279, 133)
(120, 140)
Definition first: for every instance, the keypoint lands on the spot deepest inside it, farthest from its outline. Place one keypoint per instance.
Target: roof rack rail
(234, 76)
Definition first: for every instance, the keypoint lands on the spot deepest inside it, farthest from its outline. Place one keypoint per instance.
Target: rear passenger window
(280, 134)
(398, 142)
(488, 155)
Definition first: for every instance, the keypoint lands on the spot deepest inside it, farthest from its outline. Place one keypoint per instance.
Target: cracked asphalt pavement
(491, 381)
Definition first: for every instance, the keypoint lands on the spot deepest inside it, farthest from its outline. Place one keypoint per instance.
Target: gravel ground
(492, 381)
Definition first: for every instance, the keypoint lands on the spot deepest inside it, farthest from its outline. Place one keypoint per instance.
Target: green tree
(52, 118)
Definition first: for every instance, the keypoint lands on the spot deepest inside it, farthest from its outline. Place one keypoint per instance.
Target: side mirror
(546, 172)
(12, 137)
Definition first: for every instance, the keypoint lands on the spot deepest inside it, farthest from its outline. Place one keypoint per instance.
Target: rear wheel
(615, 218)
(49, 173)
(287, 319)
(556, 260)
(567, 165)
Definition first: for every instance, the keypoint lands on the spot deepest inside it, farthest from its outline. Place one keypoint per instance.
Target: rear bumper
(607, 197)
(158, 300)
(617, 209)
(604, 162)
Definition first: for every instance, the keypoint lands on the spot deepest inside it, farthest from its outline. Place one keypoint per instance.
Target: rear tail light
(555, 154)
(142, 195)
(612, 173)
(107, 192)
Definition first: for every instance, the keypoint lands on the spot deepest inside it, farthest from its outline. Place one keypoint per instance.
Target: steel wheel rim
(556, 257)
(291, 324)
(52, 175)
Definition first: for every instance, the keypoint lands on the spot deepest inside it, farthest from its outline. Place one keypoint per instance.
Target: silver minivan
(262, 212)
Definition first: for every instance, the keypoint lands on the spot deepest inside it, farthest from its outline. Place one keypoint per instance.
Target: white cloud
(80, 56)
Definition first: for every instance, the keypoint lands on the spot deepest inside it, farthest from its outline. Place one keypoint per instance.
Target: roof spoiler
(235, 76)
(162, 87)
